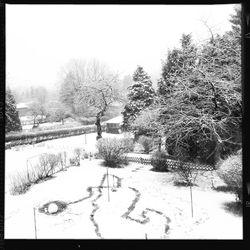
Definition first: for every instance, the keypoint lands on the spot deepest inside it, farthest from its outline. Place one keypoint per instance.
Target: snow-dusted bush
(128, 144)
(111, 150)
(184, 174)
(146, 142)
(75, 159)
(85, 155)
(159, 161)
(45, 167)
(62, 158)
(19, 183)
(230, 171)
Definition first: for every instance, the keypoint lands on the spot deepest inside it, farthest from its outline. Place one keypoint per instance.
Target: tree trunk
(98, 125)
(98, 121)
(217, 152)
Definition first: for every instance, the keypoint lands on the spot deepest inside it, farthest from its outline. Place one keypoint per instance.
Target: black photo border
(130, 244)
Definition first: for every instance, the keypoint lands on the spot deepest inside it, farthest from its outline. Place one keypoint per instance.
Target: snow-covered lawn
(142, 204)
(15, 158)
(47, 125)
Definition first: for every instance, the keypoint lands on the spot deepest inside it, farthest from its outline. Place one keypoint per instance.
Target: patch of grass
(233, 207)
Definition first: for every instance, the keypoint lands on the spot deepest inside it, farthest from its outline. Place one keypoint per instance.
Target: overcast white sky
(40, 39)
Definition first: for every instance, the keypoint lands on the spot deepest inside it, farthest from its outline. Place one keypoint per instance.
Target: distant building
(114, 125)
(23, 109)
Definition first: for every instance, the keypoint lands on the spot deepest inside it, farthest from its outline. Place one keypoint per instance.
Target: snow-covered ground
(28, 121)
(143, 204)
(16, 157)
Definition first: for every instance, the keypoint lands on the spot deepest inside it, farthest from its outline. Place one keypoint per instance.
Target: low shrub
(62, 158)
(159, 161)
(75, 159)
(45, 167)
(77, 152)
(186, 175)
(230, 171)
(111, 150)
(49, 162)
(19, 183)
(146, 142)
(85, 155)
(128, 144)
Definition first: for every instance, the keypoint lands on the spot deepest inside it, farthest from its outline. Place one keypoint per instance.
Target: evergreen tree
(178, 62)
(12, 121)
(141, 95)
(236, 20)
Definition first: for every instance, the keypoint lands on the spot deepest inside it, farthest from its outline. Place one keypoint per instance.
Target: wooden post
(190, 185)
(35, 221)
(108, 183)
(27, 169)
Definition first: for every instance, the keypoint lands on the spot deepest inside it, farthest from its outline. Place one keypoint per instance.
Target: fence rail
(171, 163)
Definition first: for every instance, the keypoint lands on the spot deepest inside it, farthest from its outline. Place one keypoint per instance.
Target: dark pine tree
(12, 121)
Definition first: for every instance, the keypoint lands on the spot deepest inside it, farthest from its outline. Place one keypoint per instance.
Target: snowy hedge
(35, 137)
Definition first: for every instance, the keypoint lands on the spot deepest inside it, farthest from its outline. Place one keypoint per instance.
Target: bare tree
(97, 88)
(99, 91)
(38, 111)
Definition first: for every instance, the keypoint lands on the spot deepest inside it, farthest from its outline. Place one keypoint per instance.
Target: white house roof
(118, 119)
(22, 105)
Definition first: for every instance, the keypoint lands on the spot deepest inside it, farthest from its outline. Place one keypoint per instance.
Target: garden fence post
(108, 183)
(190, 185)
(35, 221)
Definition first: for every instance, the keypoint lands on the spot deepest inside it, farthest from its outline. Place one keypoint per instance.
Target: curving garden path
(123, 214)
